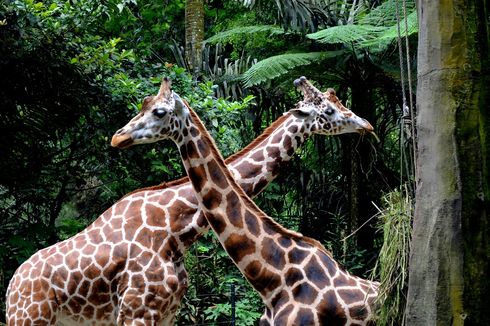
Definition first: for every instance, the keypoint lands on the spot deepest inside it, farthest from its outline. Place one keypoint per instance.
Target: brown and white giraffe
(101, 274)
(299, 281)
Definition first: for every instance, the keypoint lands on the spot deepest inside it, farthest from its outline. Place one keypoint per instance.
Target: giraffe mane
(267, 132)
(258, 212)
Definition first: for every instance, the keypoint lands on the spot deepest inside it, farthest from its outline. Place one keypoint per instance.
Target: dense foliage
(73, 71)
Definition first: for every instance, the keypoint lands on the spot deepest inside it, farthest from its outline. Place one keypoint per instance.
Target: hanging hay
(392, 265)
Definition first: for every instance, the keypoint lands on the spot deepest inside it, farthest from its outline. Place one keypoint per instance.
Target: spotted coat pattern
(126, 267)
(299, 281)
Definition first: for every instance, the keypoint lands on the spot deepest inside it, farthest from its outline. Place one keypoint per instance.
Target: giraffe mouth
(121, 141)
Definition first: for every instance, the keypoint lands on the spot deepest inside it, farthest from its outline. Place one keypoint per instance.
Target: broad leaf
(278, 65)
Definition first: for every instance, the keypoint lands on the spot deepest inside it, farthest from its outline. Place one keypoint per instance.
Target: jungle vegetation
(72, 71)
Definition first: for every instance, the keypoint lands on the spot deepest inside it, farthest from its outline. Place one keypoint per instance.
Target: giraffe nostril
(119, 132)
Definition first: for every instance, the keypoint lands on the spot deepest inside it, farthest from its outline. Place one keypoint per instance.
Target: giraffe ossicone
(100, 275)
(298, 280)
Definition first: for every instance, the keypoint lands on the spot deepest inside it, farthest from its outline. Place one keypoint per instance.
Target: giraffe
(93, 277)
(297, 278)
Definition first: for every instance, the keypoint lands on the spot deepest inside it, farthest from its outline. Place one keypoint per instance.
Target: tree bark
(450, 254)
(194, 33)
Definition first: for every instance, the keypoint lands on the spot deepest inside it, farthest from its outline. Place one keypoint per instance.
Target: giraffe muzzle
(121, 141)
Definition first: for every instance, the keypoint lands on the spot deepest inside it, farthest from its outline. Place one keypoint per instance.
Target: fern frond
(385, 13)
(229, 35)
(278, 65)
(391, 33)
(346, 34)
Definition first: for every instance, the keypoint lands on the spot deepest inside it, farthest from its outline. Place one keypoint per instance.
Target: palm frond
(278, 65)
(346, 34)
(229, 35)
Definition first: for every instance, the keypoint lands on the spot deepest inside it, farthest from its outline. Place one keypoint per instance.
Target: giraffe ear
(180, 107)
(303, 110)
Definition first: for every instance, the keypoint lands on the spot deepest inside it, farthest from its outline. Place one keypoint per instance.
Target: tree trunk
(194, 33)
(450, 255)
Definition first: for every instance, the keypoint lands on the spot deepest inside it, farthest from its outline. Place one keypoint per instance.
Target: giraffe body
(127, 266)
(298, 280)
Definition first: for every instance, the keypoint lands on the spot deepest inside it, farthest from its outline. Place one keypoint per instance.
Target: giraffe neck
(239, 224)
(261, 161)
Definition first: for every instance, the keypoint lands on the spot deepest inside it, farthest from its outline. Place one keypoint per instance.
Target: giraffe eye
(159, 113)
(329, 111)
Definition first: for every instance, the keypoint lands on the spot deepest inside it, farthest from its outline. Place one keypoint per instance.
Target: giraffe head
(160, 118)
(330, 117)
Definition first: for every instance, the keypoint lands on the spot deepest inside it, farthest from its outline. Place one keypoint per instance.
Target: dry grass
(395, 221)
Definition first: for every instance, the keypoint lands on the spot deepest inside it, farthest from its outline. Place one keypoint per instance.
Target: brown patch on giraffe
(305, 293)
(341, 280)
(260, 185)
(120, 253)
(329, 310)
(176, 212)
(191, 150)
(83, 289)
(296, 255)
(91, 272)
(358, 312)
(273, 152)
(288, 143)
(212, 199)
(316, 274)
(157, 240)
(272, 253)
(244, 169)
(85, 261)
(144, 237)
(330, 265)
(103, 255)
(304, 317)
(258, 156)
(137, 281)
(198, 176)
(134, 221)
(280, 299)
(100, 292)
(155, 274)
(239, 246)
(252, 223)
(88, 312)
(293, 275)
(104, 312)
(217, 174)
(194, 132)
(293, 129)
(283, 316)
(36, 271)
(134, 266)
(247, 188)
(134, 251)
(74, 280)
(203, 148)
(120, 207)
(252, 270)
(350, 296)
(277, 137)
(154, 215)
(144, 258)
(234, 209)
(267, 281)
(284, 242)
(189, 237)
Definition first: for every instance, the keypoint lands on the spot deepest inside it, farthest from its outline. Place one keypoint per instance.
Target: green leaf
(346, 34)
(278, 65)
(227, 36)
